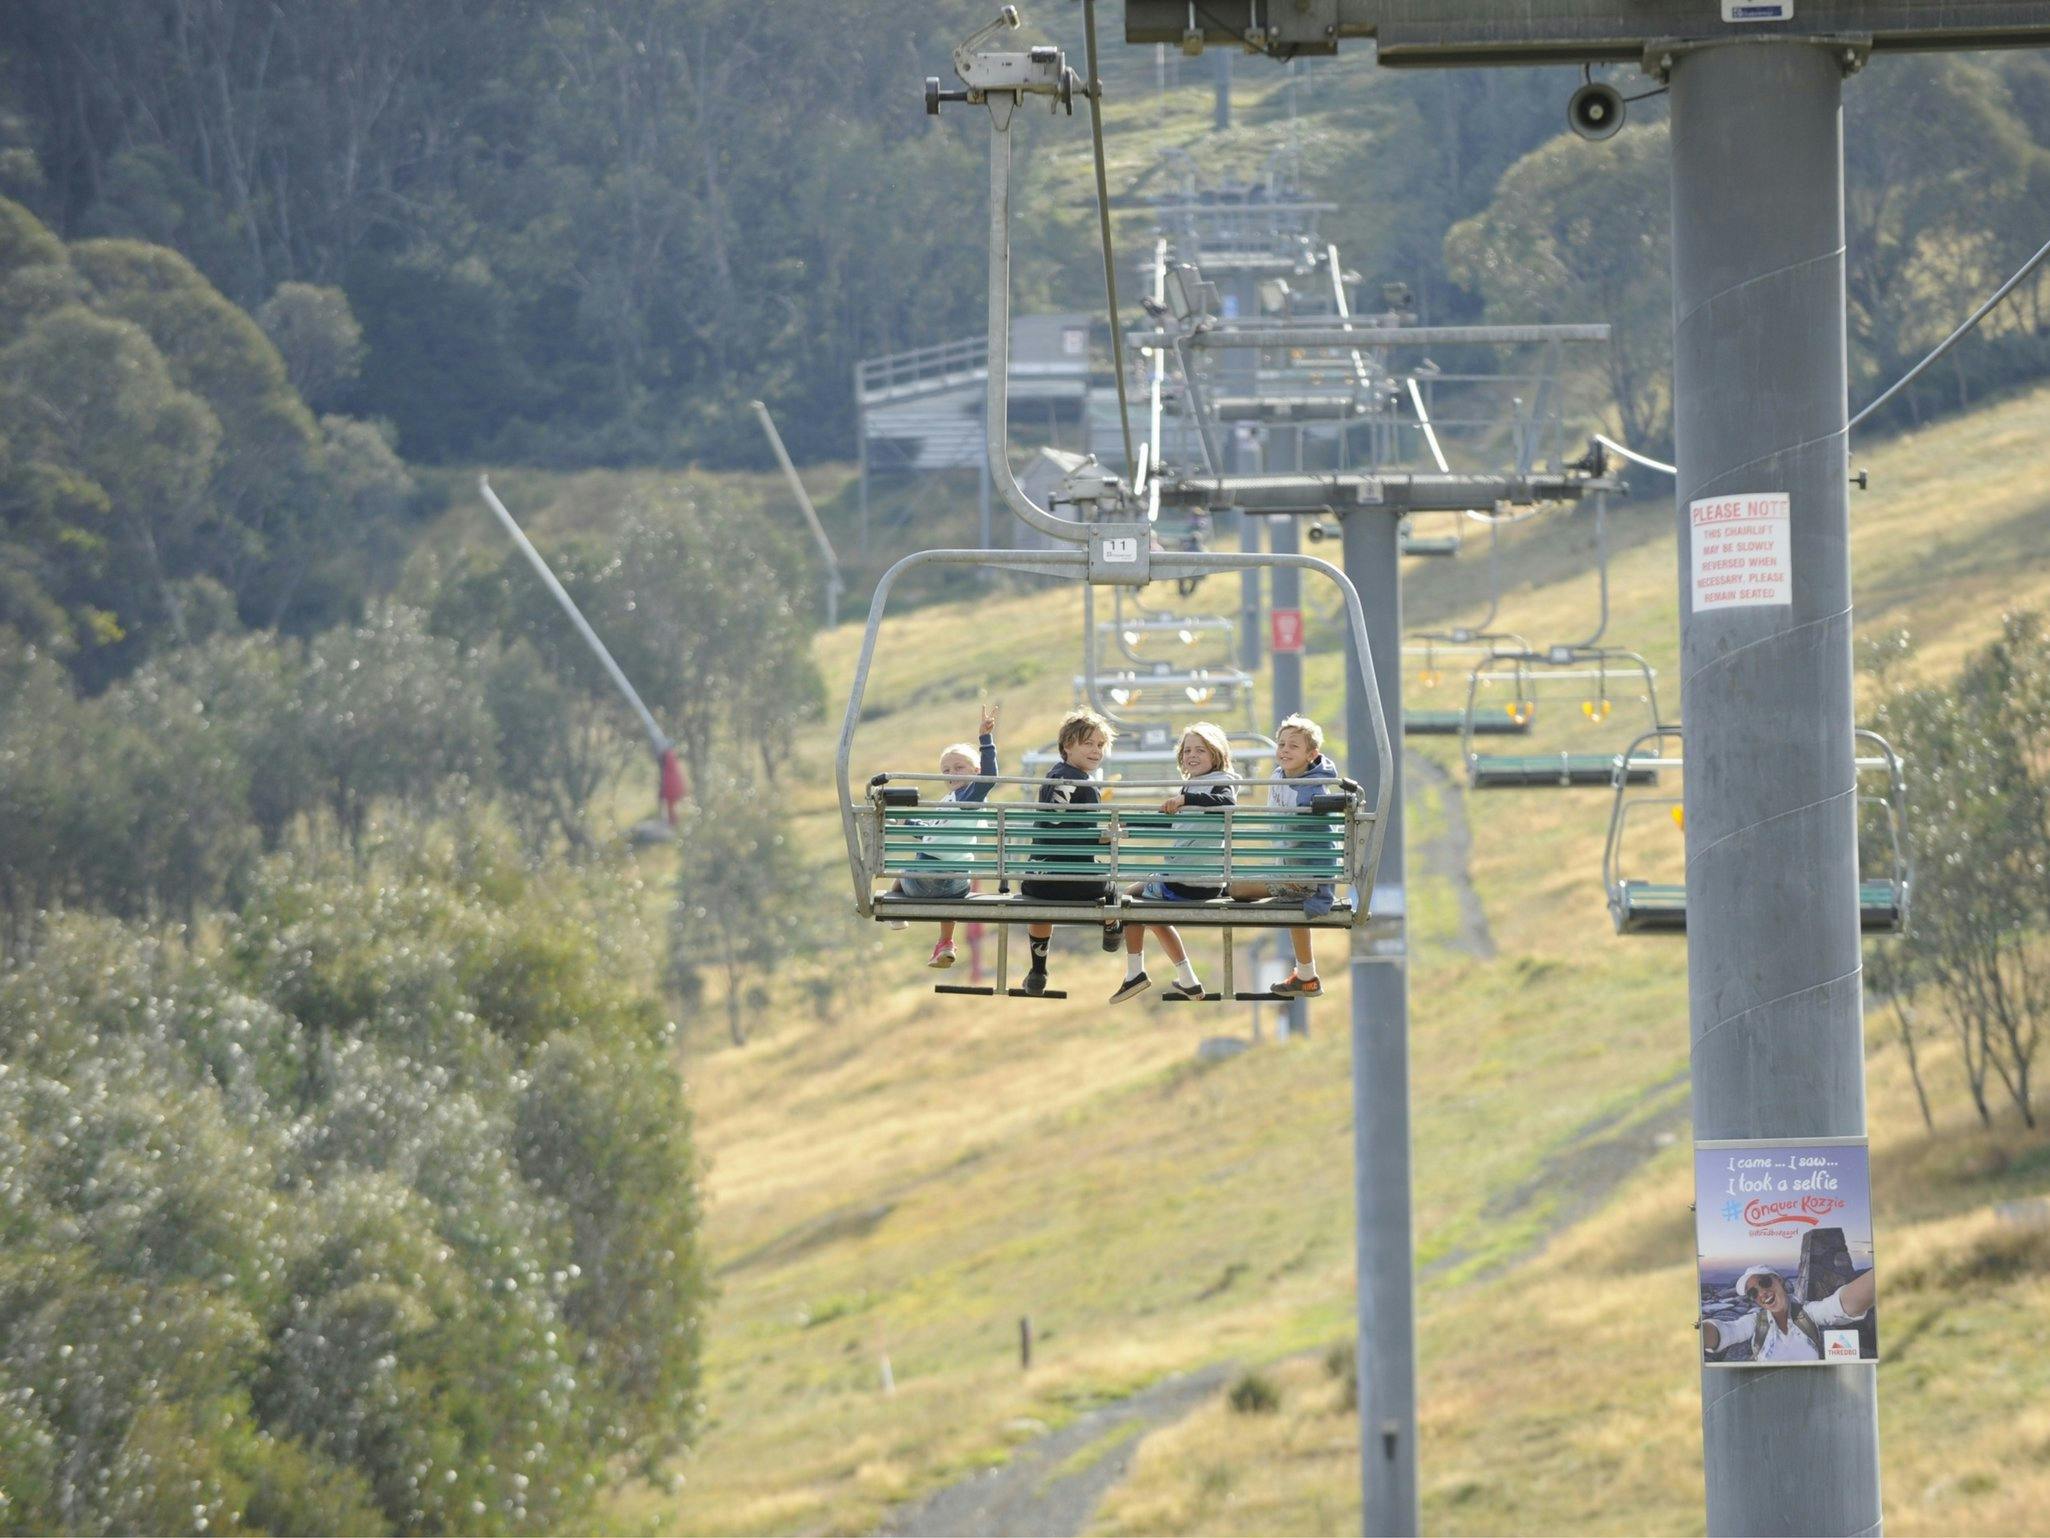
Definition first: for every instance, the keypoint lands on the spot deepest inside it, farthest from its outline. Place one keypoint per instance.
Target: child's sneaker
(1113, 937)
(1035, 982)
(900, 925)
(1293, 987)
(1181, 990)
(1131, 988)
(942, 955)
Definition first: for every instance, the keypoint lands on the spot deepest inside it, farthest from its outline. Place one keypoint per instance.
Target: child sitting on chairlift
(1204, 755)
(1083, 740)
(970, 773)
(1298, 755)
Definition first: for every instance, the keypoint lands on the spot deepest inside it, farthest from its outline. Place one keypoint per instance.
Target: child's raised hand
(1173, 804)
(989, 720)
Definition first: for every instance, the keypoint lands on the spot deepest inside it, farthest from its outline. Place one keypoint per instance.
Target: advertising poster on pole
(1783, 1241)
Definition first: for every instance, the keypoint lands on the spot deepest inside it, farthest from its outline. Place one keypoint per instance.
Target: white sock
(1135, 963)
(1306, 970)
(1186, 971)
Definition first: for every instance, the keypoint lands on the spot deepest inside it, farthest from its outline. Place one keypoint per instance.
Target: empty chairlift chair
(1438, 542)
(1431, 662)
(1144, 637)
(1576, 707)
(1643, 862)
(1431, 658)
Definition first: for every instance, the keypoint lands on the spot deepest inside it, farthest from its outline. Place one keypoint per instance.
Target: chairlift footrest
(1051, 993)
(1183, 998)
(964, 988)
(1265, 998)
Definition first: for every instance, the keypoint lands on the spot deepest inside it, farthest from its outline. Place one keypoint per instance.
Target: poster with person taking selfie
(1783, 1241)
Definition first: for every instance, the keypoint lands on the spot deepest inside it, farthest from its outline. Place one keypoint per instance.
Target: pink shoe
(942, 955)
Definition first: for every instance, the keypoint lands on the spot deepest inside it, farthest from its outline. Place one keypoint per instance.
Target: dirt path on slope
(1448, 857)
(1050, 1487)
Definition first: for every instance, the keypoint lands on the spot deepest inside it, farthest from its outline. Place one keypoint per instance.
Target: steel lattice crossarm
(1452, 32)
(1358, 335)
(1395, 492)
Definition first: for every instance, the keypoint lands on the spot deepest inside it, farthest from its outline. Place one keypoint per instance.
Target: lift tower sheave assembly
(1759, 415)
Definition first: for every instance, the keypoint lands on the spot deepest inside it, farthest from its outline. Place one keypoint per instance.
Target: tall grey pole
(1251, 616)
(1286, 592)
(1771, 814)
(1383, 1240)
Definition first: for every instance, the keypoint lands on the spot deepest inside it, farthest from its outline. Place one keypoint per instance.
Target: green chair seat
(1491, 771)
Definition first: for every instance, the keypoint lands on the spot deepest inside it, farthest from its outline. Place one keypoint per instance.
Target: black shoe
(1181, 990)
(1131, 988)
(1035, 981)
(1113, 937)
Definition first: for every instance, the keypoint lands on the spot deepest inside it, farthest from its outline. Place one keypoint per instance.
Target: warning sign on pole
(1742, 551)
(1285, 629)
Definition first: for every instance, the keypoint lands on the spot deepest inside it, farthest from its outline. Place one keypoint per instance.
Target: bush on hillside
(1977, 839)
(380, 1216)
(1254, 1394)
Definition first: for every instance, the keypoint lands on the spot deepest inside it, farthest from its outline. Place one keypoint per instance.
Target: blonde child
(1298, 755)
(1084, 738)
(1204, 755)
(970, 772)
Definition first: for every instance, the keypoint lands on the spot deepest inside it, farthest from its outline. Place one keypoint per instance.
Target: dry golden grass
(911, 1178)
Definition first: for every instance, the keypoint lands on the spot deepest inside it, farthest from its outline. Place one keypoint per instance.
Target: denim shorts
(934, 886)
(1160, 890)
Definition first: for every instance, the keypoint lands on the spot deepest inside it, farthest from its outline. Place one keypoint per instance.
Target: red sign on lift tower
(1285, 630)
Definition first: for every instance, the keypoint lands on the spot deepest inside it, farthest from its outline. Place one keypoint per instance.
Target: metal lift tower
(1759, 390)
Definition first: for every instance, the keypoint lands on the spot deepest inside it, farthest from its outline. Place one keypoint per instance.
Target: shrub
(1254, 1394)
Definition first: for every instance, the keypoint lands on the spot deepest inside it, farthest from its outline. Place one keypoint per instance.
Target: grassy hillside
(908, 1180)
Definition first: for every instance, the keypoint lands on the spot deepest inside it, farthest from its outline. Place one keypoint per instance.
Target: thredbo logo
(1758, 10)
(1840, 1345)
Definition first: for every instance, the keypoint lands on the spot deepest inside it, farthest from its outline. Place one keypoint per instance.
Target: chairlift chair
(1657, 904)
(1413, 543)
(1430, 660)
(893, 826)
(1145, 636)
(1565, 695)
(1433, 650)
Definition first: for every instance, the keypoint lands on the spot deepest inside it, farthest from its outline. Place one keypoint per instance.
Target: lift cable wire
(1956, 336)
(1899, 384)
(1634, 457)
(1110, 270)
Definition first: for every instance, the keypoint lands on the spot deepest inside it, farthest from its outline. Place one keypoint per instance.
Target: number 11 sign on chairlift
(1285, 630)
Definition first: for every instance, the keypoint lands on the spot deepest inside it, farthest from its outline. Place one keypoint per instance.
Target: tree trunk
(1906, 1019)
